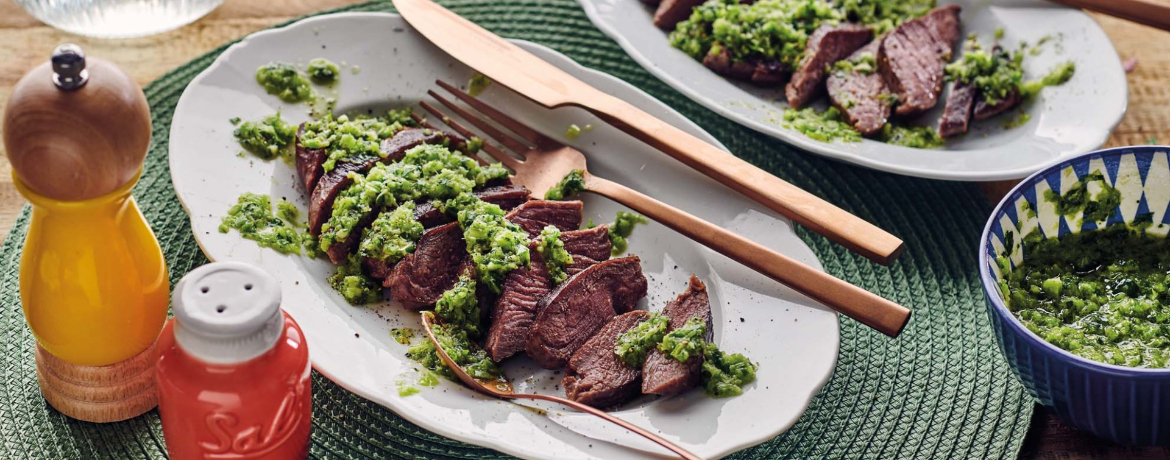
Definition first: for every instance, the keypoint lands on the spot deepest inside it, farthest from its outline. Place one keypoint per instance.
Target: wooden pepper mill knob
(76, 127)
(93, 280)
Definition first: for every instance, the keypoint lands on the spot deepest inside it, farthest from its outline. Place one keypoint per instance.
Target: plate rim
(826, 150)
(496, 443)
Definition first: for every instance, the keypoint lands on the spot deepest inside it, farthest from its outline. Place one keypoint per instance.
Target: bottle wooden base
(99, 394)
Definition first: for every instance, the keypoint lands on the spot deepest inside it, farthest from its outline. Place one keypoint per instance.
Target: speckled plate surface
(794, 339)
(1071, 119)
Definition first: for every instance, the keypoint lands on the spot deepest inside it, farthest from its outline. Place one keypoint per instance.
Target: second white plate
(1070, 119)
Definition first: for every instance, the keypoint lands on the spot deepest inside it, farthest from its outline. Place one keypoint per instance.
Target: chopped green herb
(461, 349)
(1057, 76)
(478, 83)
(268, 138)
(725, 375)
(284, 81)
(323, 71)
(405, 389)
(573, 131)
(252, 216)
(572, 184)
(552, 250)
(619, 232)
(355, 286)
(234, 120)
(392, 235)
(460, 307)
(344, 138)
(402, 335)
(919, 137)
(427, 379)
(999, 33)
(995, 73)
(827, 126)
(496, 245)
(1020, 119)
(684, 342)
(1096, 209)
(865, 64)
(633, 345)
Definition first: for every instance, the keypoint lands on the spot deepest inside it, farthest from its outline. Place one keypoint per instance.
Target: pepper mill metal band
(93, 281)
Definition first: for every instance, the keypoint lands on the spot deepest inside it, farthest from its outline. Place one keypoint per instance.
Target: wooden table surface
(25, 43)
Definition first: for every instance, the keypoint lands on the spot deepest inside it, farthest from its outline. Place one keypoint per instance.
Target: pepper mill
(93, 281)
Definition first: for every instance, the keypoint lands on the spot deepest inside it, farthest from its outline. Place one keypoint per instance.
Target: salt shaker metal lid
(227, 312)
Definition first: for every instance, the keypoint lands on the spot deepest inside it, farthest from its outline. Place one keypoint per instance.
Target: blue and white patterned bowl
(1126, 405)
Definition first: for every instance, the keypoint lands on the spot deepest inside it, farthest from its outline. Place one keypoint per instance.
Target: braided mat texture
(940, 391)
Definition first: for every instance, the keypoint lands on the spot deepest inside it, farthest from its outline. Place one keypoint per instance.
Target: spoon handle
(610, 418)
(887, 317)
(1149, 12)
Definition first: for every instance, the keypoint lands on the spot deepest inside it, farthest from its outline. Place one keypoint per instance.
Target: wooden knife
(543, 83)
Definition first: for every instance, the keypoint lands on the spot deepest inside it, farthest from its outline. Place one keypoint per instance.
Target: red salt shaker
(233, 370)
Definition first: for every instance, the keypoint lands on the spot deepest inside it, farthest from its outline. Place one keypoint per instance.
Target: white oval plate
(1066, 120)
(794, 339)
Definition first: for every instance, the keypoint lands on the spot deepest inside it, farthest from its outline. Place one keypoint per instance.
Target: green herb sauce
(284, 81)
(1101, 295)
(496, 245)
(827, 126)
(572, 184)
(1057, 76)
(864, 64)
(354, 285)
(360, 137)
(919, 137)
(469, 356)
(552, 250)
(1096, 208)
(620, 231)
(633, 345)
(405, 389)
(392, 235)
(1019, 120)
(427, 379)
(460, 307)
(478, 83)
(267, 138)
(684, 342)
(323, 71)
(724, 375)
(402, 335)
(994, 72)
(252, 216)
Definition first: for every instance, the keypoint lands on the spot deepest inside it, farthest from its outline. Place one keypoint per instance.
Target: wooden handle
(887, 317)
(612, 419)
(1149, 12)
(796, 204)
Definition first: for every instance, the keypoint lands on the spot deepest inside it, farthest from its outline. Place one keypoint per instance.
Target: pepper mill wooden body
(93, 281)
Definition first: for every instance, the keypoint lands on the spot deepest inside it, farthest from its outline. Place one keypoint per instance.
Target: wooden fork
(544, 161)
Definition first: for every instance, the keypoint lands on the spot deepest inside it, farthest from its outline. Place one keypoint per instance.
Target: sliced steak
(504, 196)
(722, 64)
(515, 309)
(863, 98)
(576, 309)
(769, 73)
(331, 183)
(664, 375)
(309, 162)
(534, 215)
(596, 376)
(912, 57)
(592, 243)
(672, 12)
(420, 278)
(983, 110)
(957, 114)
(580, 263)
(827, 45)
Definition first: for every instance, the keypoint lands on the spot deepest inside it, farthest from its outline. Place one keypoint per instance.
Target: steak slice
(309, 162)
(592, 243)
(596, 376)
(912, 57)
(420, 278)
(863, 98)
(722, 64)
(504, 196)
(827, 45)
(331, 183)
(672, 12)
(576, 309)
(534, 215)
(983, 110)
(957, 114)
(664, 375)
(523, 288)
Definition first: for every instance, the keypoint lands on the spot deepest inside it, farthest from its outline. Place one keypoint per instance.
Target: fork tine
(426, 124)
(510, 142)
(531, 135)
(491, 150)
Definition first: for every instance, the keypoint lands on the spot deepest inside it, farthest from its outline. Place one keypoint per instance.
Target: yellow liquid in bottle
(93, 281)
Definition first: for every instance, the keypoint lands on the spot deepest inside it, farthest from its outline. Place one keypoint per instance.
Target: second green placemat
(941, 390)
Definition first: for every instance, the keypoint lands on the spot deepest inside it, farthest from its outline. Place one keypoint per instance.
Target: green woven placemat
(941, 390)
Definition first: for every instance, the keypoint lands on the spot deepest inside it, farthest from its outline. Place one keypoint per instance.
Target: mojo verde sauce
(1101, 295)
